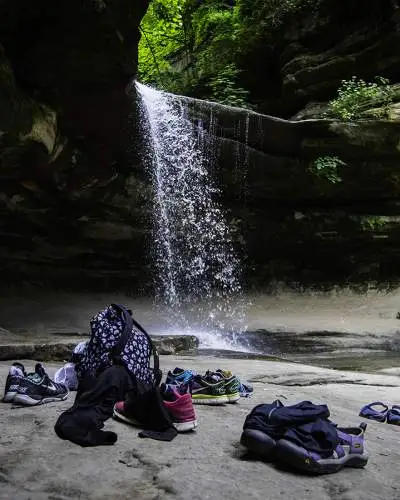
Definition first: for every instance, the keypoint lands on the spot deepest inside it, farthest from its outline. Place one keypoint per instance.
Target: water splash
(198, 268)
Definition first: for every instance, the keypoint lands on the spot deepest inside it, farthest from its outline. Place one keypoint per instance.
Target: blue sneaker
(393, 415)
(179, 376)
(245, 390)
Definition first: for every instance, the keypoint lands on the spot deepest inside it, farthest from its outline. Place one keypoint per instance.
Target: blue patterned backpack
(116, 338)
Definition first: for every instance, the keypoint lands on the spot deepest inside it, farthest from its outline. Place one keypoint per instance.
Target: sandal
(372, 413)
(393, 415)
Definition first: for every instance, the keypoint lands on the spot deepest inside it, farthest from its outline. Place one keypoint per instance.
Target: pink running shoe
(180, 408)
(120, 413)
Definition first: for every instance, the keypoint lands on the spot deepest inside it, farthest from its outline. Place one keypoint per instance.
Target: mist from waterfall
(199, 272)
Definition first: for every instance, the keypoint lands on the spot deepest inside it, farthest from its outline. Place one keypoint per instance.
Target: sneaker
(37, 388)
(245, 389)
(16, 373)
(208, 392)
(120, 413)
(350, 452)
(393, 415)
(178, 403)
(179, 376)
(231, 383)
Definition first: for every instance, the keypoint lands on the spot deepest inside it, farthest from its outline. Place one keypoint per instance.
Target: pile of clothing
(303, 437)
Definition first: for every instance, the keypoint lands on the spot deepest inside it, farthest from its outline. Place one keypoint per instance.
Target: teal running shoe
(179, 376)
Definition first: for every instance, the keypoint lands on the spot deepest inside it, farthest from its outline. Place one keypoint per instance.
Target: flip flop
(372, 413)
(393, 415)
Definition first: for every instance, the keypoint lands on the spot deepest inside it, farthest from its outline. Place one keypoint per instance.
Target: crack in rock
(134, 458)
(4, 478)
(309, 379)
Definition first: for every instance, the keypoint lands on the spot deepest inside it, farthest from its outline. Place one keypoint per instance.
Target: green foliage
(327, 167)
(260, 19)
(188, 47)
(373, 223)
(193, 47)
(212, 23)
(163, 35)
(224, 89)
(273, 12)
(355, 96)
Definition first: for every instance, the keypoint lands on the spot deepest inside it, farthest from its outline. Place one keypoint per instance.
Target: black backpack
(116, 338)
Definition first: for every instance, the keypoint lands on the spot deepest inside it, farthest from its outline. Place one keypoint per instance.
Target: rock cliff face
(309, 230)
(65, 129)
(299, 227)
(306, 56)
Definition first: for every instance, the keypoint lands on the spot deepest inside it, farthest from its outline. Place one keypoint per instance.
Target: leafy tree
(193, 47)
(188, 47)
(163, 35)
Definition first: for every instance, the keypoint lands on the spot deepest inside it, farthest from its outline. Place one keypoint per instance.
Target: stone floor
(208, 463)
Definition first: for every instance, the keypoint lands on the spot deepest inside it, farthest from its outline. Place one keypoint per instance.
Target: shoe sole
(258, 442)
(210, 400)
(23, 399)
(185, 426)
(233, 398)
(294, 455)
(9, 396)
(179, 426)
(127, 420)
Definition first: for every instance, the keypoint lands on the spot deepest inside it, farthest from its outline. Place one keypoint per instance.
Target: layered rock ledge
(60, 351)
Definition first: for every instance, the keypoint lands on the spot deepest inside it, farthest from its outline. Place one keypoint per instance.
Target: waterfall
(199, 273)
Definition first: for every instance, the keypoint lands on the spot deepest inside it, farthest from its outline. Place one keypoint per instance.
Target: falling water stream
(199, 272)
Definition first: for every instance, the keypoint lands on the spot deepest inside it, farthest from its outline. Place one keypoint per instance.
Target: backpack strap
(153, 350)
(120, 346)
(117, 350)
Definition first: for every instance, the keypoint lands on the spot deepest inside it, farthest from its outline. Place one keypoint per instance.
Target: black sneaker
(208, 392)
(15, 375)
(38, 388)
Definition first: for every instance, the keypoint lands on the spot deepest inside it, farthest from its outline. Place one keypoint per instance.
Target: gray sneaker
(15, 375)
